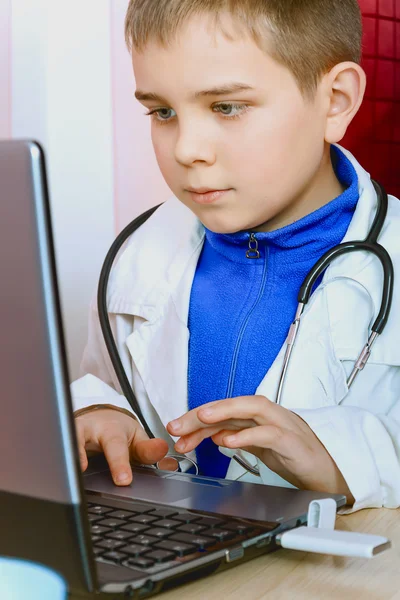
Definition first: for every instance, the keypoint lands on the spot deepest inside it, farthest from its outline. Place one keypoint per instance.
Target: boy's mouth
(206, 195)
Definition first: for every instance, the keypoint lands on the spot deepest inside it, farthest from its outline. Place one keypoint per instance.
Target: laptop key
(98, 510)
(220, 534)
(168, 523)
(119, 535)
(98, 551)
(239, 528)
(94, 517)
(144, 519)
(109, 544)
(134, 549)
(180, 548)
(114, 556)
(140, 561)
(210, 521)
(121, 514)
(201, 541)
(145, 539)
(163, 513)
(97, 529)
(186, 517)
(161, 556)
(191, 528)
(134, 527)
(159, 532)
(140, 508)
(112, 523)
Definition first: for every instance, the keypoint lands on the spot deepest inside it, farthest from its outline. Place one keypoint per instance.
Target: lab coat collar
(365, 211)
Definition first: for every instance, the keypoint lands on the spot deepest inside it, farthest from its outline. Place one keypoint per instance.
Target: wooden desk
(287, 574)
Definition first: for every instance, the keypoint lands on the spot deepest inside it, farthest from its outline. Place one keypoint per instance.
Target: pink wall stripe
(138, 182)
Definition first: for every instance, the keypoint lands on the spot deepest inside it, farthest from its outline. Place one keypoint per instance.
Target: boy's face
(265, 144)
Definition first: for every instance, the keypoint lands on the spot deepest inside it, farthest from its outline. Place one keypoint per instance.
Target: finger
(148, 451)
(168, 464)
(267, 436)
(194, 424)
(83, 459)
(256, 408)
(80, 434)
(218, 440)
(116, 450)
(189, 442)
(219, 437)
(189, 422)
(144, 450)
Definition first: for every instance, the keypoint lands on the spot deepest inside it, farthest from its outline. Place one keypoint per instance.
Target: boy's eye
(162, 113)
(227, 111)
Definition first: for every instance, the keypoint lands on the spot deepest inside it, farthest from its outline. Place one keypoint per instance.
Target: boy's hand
(121, 438)
(276, 435)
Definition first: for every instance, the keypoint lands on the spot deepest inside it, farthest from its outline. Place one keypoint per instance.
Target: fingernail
(175, 425)
(122, 477)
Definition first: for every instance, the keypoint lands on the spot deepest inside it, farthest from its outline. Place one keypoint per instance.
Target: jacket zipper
(252, 253)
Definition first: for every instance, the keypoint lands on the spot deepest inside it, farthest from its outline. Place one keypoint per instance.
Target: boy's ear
(345, 89)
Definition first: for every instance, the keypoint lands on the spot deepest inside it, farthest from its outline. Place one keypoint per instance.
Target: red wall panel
(374, 135)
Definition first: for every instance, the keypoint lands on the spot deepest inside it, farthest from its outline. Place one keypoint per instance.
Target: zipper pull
(253, 252)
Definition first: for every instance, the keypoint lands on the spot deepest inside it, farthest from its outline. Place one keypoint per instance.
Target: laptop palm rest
(225, 497)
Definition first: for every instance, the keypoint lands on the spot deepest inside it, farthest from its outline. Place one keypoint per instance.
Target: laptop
(163, 530)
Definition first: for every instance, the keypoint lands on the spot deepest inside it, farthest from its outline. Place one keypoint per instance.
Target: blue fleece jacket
(241, 309)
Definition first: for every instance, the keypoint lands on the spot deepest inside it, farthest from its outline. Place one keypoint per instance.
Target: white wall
(5, 68)
(66, 80)
(61, 96)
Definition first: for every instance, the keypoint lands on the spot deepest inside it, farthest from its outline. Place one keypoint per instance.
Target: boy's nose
(193, 146)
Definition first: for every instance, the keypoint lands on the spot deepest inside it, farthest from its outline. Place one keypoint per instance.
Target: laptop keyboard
(148, 537)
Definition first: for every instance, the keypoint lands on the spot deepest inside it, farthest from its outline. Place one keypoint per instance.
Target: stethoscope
(370, 244)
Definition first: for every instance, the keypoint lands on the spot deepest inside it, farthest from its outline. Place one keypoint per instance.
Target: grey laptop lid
(40, 486)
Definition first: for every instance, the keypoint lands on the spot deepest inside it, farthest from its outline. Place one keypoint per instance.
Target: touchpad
(186, 491)
(145, 486)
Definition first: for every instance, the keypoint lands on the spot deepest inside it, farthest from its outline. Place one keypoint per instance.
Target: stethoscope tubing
(370, 244)
(124, 383)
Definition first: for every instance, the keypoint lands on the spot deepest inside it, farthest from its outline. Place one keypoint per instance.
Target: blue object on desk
(22, 579)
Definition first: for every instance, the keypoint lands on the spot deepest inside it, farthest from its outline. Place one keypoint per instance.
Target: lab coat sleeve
(98, 383)
(366, 449)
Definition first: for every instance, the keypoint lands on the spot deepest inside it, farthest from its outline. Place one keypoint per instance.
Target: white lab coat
(148, 300)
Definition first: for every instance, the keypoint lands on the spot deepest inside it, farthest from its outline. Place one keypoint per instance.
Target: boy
(247, 98)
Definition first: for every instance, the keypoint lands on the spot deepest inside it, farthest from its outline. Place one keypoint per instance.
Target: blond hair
(309, 37)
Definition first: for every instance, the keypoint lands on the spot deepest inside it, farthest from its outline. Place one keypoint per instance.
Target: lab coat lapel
(163, 370)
